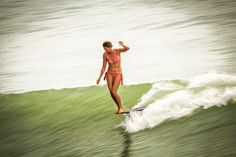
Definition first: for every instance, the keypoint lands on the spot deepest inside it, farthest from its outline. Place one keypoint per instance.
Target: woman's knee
(114, 92)
(111, 93)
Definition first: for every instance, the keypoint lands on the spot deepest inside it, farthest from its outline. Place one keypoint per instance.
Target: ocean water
(181, 118)
(180, 68)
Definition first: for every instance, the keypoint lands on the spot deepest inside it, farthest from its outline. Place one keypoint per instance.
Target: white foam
(212, 79)
(183, 101)
(163, 85)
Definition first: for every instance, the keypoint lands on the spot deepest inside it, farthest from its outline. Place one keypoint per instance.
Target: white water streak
(206, 90)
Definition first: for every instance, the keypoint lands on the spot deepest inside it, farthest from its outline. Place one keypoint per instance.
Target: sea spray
(206, 90)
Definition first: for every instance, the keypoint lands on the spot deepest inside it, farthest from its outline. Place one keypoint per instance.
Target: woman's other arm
(104, 65)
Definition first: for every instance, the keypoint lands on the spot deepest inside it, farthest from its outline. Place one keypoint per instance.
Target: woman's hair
(107, 44)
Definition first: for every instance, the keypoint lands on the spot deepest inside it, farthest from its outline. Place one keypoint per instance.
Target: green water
(81, 122)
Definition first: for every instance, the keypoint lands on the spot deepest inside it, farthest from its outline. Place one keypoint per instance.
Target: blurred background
(57, 44)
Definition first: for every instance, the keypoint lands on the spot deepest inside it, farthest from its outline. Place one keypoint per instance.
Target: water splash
(206, 90)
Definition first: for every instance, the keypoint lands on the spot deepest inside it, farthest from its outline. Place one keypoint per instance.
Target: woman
(114, 73)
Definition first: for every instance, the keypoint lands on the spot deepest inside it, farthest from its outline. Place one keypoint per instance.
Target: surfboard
(132, 110)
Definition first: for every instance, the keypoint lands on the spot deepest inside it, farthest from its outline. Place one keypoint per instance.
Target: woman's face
(108, 48)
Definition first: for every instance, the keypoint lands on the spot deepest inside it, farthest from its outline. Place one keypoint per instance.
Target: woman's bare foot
(120, 110)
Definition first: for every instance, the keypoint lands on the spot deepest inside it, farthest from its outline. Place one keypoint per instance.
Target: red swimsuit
(114, 60)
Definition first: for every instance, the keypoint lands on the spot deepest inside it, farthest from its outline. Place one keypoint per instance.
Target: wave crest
(174, 99)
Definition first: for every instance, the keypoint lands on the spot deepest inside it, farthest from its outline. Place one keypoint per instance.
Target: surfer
(114, 73)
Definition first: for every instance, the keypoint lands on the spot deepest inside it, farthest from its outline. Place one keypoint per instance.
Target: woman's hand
(121, 43)
(98, 81)
(125, 48)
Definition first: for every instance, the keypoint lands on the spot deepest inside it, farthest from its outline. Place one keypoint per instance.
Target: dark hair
(107, 44)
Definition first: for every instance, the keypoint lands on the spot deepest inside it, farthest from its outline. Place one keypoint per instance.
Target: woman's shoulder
(116, 50)
(104, 55)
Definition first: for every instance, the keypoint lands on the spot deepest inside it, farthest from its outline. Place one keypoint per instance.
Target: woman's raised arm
(125, 48)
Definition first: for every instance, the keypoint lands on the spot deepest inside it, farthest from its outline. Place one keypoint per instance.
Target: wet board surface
(131, 110)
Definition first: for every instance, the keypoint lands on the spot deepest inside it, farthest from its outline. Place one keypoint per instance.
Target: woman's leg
(109, 84)
(115, 86)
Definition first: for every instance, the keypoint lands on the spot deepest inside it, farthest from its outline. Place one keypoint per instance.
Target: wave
(171, 99)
